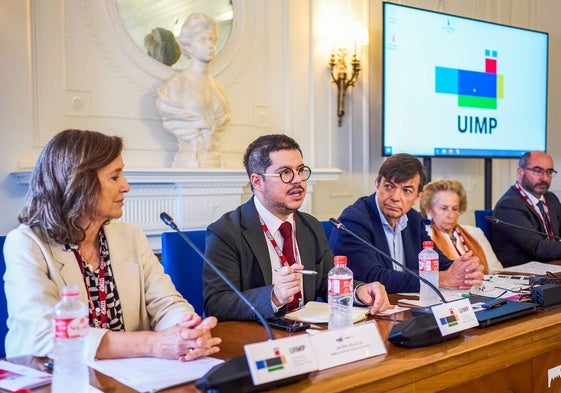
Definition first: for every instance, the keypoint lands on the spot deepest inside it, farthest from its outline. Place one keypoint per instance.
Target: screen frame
(495, 153)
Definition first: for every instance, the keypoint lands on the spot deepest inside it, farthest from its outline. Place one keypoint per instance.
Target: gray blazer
(237, 245)
(36, 271)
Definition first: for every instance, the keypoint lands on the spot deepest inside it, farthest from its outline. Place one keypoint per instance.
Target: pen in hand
(304, 272)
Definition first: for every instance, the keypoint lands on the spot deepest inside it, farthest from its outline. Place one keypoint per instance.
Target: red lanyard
(548, 228)
(278, 250)
(99, 321)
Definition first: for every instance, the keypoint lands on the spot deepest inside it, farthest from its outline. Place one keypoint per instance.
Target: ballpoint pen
(304, 272)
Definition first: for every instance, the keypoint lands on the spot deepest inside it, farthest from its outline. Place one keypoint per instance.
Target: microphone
(419, 331)
(339, 225)
(233, 375)
(166, 218)
(496, 220)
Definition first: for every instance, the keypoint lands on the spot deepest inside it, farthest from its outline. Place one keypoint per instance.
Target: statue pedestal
(193, 197)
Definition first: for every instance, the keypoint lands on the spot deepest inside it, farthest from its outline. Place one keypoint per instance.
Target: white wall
(65, 65)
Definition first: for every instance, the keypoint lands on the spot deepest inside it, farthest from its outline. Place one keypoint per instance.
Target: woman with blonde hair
(442, 203)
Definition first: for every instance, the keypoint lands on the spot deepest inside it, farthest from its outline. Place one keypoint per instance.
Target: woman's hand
(188, 340)
(464, 272)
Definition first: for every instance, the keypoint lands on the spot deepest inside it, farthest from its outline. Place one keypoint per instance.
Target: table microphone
(233, 375)
(419, 331)
(339, 225)
(496, 220)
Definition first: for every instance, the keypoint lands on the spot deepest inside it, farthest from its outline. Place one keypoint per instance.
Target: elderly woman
(67, 236)
(442, 203)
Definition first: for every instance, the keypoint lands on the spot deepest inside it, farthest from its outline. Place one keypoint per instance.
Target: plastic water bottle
(428, 269)
(340, 294)
(71, 316)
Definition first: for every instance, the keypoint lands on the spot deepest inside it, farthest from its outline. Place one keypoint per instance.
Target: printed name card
(287, 357)
(454, 316)
(336, 347)
(281, 358)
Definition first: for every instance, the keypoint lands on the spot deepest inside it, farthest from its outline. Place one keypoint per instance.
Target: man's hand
(374, 295)
(288, 282)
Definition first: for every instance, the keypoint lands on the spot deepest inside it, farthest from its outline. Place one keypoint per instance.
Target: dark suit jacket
(237, 245)
(368, 265)
(514, 246)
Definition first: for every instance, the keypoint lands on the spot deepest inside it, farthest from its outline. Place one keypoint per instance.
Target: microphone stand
(233, 375)
(339, 225)
(166, 218)
(496, 220)
(419, 331)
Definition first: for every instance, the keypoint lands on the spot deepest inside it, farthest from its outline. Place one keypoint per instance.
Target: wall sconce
(339, 76)
(343, 74)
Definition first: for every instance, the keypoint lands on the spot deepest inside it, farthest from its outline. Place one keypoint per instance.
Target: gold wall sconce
(340, 76)
(344, 74)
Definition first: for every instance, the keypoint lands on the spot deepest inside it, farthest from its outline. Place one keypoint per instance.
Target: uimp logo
(450, 320)
(275, 363)
(475, 89)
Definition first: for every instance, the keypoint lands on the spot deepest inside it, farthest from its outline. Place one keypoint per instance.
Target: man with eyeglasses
(529, 204)
(264, 244)
(387, 220)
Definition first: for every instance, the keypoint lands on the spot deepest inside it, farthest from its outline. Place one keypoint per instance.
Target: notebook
(318, 312)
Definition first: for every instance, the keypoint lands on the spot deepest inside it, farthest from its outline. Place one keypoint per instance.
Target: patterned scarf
(439, 238)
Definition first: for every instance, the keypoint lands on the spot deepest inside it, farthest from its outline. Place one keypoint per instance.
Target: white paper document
(148, 374)
(537, 268)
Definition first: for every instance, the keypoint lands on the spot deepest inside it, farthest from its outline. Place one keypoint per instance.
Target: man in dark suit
(247, 245)
(529, 204)
(387, 220)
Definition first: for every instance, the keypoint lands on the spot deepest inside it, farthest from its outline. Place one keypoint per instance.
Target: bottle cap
(71, 290)
(340, 260)
(428, 244)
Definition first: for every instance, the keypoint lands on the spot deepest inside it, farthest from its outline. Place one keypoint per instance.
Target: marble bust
(191, 103)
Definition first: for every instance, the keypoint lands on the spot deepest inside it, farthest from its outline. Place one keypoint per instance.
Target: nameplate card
(335, 347)
(281, 358)
(454, 316)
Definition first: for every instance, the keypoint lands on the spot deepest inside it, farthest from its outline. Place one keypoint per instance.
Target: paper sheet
(537, 268)
(148, 374)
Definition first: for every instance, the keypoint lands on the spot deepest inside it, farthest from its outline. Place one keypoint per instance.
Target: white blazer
(36, 271)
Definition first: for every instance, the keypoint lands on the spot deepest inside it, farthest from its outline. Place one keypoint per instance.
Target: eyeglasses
(287, 174)
(540, 172)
